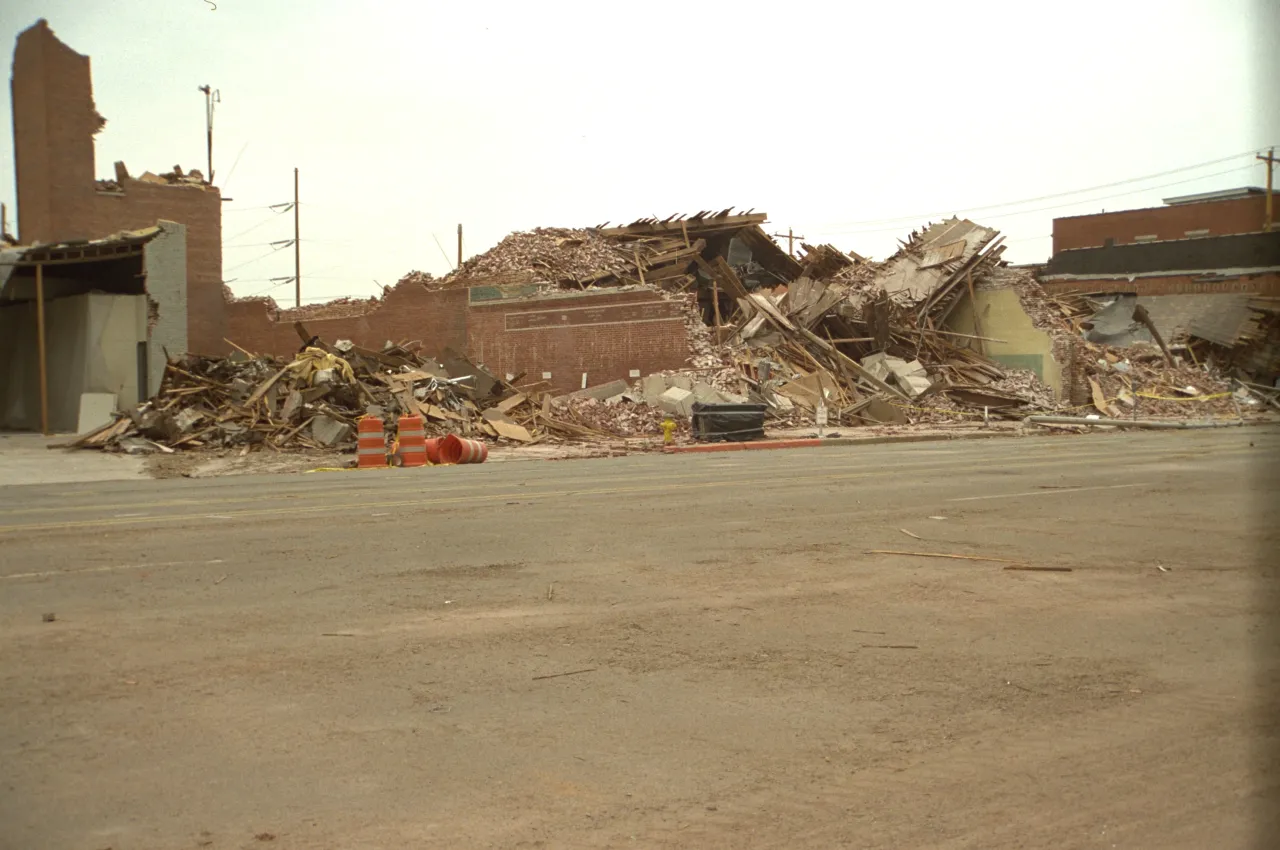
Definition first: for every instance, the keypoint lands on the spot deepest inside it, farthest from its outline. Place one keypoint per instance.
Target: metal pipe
(1125, 423)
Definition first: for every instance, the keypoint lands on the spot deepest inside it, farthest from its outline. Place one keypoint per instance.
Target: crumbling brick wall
(54, 124)
(1219, 218)
(607, 334)
(409, 312)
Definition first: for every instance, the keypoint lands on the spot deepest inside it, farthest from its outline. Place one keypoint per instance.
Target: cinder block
(677, 402)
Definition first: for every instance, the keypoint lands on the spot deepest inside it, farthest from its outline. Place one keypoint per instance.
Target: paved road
(375, 659)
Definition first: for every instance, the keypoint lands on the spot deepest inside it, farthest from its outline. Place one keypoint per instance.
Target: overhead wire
(1054, 196)
(261, 257)
(1076, 203)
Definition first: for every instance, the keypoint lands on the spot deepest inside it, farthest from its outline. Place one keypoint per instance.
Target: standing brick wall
(1220, 218)
(55, 121)
(606, 335)
(407, 313)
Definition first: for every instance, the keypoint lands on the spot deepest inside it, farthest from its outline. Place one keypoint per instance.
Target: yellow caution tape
(1183, 397)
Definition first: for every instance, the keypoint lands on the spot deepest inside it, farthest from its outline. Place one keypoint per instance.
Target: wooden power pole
(297, 246)
(1270, 160)
(459, 246)
(791, 238)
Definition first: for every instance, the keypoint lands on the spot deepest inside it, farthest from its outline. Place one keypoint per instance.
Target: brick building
(60, 199)
(1225, 213)
(1194, 245)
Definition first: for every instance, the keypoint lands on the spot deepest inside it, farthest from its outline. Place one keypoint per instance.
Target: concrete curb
(755, 445)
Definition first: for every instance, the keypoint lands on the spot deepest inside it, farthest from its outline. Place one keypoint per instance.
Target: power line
(262, 223)
(910, 218)
(1077, 203)
(286, 244)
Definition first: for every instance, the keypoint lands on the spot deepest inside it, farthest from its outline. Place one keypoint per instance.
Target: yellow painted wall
(1025, 346)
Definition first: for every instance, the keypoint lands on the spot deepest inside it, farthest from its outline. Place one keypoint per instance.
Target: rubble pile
(315, 400)
(1136, 382)
(338, 308)
(546, 255)
(613, 417)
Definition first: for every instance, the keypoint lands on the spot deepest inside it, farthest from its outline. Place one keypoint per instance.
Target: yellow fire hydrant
(668, 431)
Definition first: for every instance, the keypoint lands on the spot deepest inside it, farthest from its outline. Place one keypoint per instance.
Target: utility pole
(211, 96)
(791, 237)
(297, 247)
(459, 246)
(1270, 160)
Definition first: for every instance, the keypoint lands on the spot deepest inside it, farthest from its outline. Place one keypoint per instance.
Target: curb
(833, 441)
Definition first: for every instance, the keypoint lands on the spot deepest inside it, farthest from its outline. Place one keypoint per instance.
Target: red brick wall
(1220, 218)
(142, 205)
(628, 330)
(54, 122)
(1265, 283)
(54, 125)
(606, 335)
(410, 312)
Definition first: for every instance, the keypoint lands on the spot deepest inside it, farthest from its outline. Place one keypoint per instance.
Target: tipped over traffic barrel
(455, 449)
(433, 450)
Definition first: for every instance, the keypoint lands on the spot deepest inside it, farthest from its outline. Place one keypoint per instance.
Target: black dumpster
(718, 423)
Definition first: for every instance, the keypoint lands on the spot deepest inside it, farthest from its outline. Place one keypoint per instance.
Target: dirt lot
(691, 651)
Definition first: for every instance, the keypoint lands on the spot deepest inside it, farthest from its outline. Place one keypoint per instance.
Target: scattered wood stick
(248, 354)
(221, 580)
(941, 555)
(570, 673)
(1030, 568)
(909, 534)
(889, 646)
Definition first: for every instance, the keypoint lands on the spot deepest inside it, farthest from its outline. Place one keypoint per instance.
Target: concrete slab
(95, 411)
(653, 386)
(706, 393)
(603, 391)
(677, 402)
(27, 459)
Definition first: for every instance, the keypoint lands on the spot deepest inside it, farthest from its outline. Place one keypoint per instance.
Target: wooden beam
(40, 343)
(977, 319)
(727, 222)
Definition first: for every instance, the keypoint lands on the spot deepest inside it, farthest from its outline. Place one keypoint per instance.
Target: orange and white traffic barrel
(412, 438)
(455, 449)
(371, 444)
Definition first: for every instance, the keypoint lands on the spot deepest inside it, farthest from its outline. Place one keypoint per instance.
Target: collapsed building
(943, 331)
(581, 332)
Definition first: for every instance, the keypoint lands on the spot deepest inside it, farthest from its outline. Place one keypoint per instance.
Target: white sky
(848, 121)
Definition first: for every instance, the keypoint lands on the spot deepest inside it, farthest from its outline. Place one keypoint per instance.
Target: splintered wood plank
(505, 426)
(507, 405)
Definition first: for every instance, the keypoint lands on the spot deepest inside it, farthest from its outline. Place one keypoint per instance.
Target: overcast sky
(851, 122)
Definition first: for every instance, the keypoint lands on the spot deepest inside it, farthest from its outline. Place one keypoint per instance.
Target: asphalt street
(698, 651)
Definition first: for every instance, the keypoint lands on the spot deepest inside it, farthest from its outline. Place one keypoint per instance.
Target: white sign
(821, 415)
